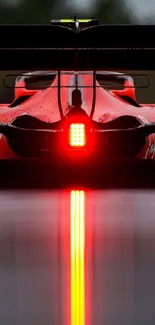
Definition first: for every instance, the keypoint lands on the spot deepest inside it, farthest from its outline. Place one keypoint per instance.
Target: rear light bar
(77, 135)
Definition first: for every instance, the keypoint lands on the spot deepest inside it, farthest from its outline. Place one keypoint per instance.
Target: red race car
(71, 116)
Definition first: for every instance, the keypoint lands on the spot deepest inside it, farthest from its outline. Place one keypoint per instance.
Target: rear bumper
(40, 174)
(99, 154)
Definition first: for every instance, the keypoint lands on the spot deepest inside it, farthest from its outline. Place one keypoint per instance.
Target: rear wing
(55, 47)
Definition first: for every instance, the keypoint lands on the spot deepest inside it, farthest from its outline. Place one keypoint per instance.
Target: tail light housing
(77, 135)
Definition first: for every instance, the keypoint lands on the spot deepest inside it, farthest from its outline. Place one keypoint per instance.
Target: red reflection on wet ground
(77, 257)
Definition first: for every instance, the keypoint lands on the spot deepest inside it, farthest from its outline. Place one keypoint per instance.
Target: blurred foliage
(114, 12)
(39, 11)
(29, 11)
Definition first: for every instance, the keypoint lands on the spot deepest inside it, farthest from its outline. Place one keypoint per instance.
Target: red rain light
(77, 135)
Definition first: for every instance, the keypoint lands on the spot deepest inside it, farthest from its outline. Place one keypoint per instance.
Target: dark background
(38, 11)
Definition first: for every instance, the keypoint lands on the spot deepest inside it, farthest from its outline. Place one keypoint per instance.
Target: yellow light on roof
(72, 20)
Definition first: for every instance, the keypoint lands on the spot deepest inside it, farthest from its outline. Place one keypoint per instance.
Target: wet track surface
(118, 257)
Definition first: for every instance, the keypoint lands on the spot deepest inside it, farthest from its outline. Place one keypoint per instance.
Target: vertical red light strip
(77, 256)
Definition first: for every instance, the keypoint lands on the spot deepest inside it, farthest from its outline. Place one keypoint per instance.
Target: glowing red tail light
(77, 135)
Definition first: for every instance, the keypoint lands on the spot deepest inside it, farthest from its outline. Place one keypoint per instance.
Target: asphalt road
(35, 253)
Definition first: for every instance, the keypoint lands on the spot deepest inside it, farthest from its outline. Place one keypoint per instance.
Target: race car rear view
(74, 118)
